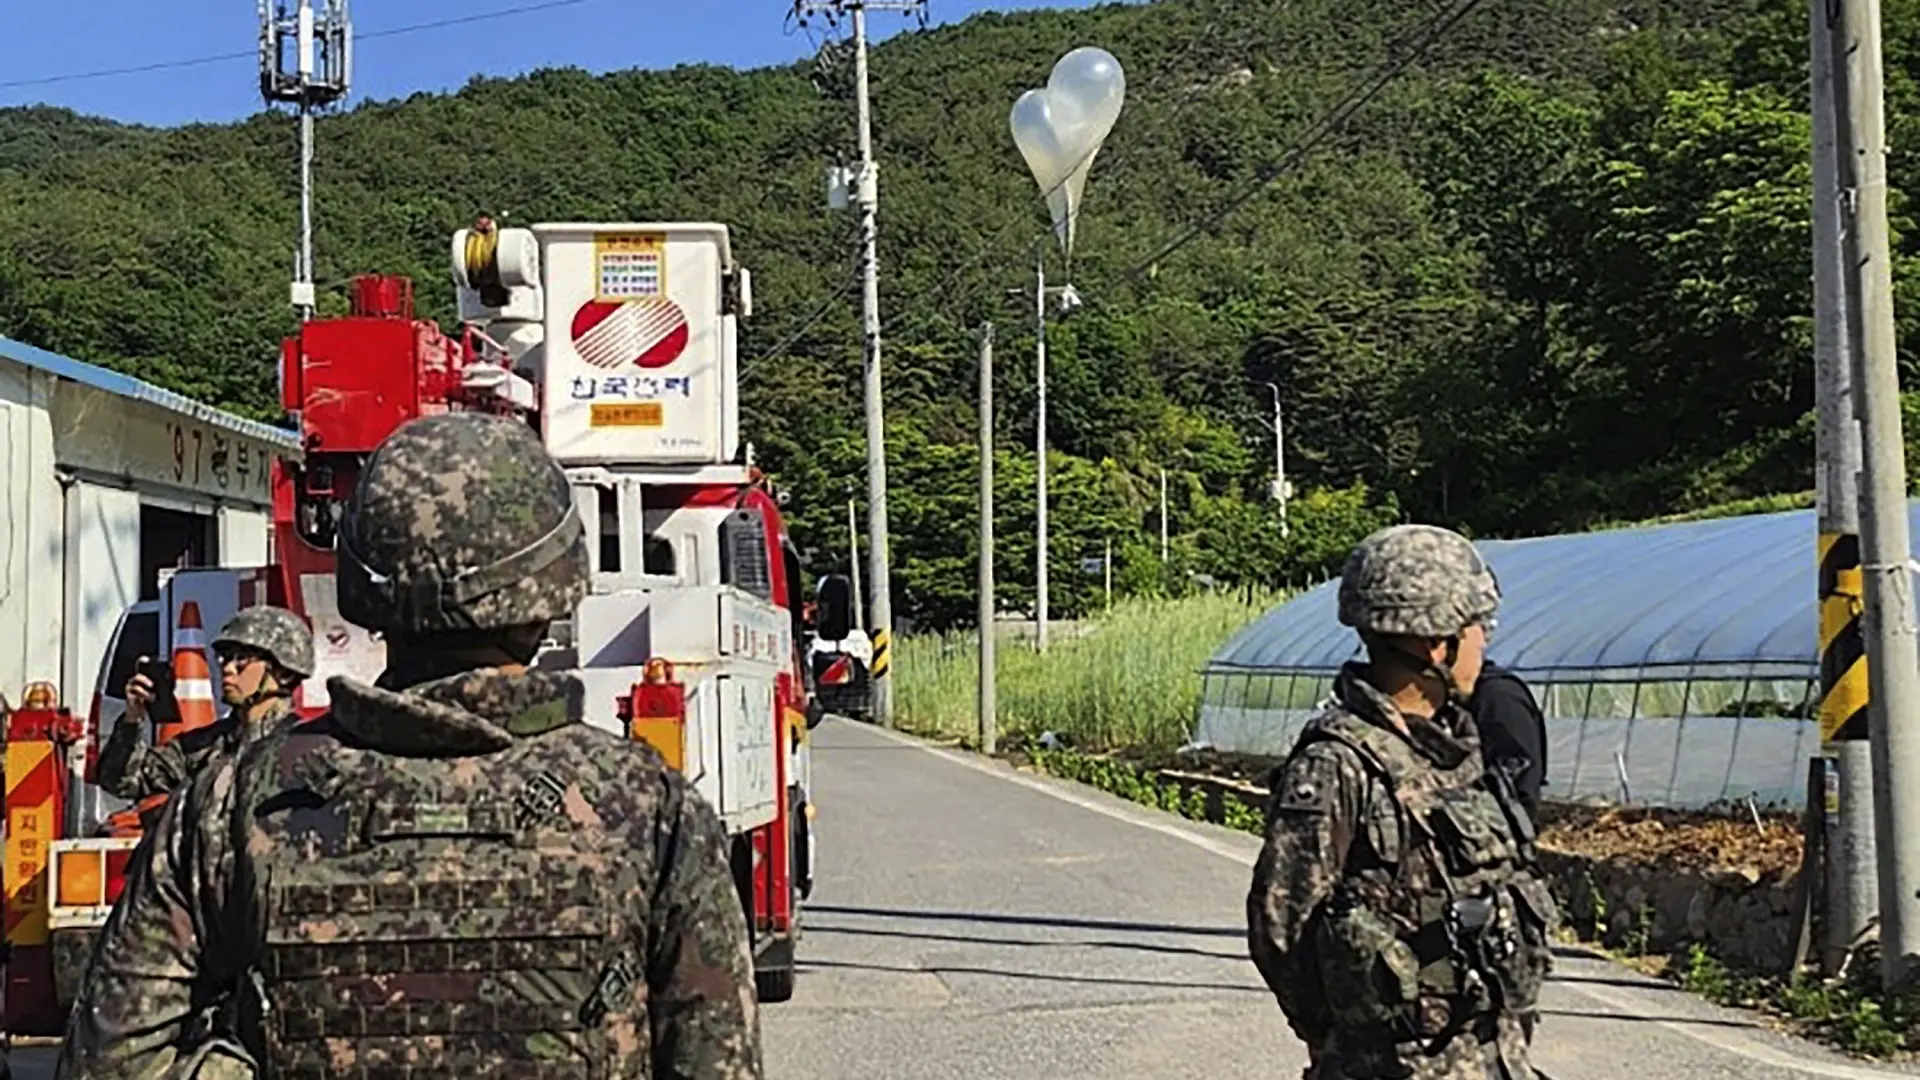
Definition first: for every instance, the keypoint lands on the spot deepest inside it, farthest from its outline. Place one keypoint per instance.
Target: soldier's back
(464, 880)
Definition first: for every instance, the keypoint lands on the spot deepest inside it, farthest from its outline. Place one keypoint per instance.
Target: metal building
(105, 481)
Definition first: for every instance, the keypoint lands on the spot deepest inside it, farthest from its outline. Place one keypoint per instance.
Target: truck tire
(802, 845)
(773, 985)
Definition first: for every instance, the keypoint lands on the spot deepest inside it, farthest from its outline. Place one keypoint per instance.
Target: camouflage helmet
(277, 632)
(1417, 580)
(460, 522)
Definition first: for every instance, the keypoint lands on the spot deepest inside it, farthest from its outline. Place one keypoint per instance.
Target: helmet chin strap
(1442, 671)
(261, 694)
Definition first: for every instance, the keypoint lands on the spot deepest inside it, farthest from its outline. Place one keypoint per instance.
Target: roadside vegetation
(1129, 679)
(1852, 1012)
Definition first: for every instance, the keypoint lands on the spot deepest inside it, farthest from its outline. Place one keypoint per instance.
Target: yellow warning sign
(30, 831)
(635, 414)
(1842, 640)
(629, 266)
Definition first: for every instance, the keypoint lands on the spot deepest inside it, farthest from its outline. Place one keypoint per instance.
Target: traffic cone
(192, 680)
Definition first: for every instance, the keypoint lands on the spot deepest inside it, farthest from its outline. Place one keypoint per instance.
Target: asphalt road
(972, 921)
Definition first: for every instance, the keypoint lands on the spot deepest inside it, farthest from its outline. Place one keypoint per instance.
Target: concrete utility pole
(1040, 450)
(1109, 573)
(308, 87)
(1852, 888)
(989, 725)
(853, 556)
(1163, 517)
(1279, 457)
(1893, 667)
(868, 187)
(1069, 300)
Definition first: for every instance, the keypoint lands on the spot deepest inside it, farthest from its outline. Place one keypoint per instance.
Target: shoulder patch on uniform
(1310, 786)
(1302, 795)
(539, 799)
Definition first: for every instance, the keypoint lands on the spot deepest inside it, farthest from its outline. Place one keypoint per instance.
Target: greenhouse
(1676, 664)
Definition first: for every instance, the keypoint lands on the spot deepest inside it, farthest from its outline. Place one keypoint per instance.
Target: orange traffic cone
(192, 680)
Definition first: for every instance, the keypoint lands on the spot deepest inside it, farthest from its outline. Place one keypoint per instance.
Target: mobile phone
(160, 674)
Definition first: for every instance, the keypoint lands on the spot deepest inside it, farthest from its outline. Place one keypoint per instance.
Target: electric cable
(1323, 129)
(251, 54)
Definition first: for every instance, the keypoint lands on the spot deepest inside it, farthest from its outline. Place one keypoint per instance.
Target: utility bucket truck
(618, 343)
(690, 636)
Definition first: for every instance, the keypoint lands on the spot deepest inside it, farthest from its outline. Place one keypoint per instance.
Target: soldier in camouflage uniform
(449, 875)
(265, 653)
(1396, 911)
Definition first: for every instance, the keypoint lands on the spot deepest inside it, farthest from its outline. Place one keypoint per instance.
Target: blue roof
(129, 387)
(1729, 598)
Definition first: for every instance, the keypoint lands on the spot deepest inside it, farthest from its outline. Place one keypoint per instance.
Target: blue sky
(50, 39)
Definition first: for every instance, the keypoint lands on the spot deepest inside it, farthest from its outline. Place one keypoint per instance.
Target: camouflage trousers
(1497, 1051)
(216, 1059)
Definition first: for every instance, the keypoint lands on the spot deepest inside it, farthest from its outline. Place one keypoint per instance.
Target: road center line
(1719, 1040)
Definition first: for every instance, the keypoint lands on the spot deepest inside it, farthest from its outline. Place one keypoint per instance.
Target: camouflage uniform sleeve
(155, 965)
(1316, 809)
(702, 1005)
(129, 769)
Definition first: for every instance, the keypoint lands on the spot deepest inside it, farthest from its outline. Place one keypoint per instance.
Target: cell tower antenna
(306, 60)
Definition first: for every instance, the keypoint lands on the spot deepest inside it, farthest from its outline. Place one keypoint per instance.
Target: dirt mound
(1676, 840)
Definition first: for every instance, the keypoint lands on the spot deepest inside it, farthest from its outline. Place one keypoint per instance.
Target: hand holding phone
(152, 682)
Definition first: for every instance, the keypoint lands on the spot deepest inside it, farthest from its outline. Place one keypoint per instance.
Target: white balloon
(1061, 129)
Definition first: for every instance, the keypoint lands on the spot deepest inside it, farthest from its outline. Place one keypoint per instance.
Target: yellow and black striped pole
(882, 652)
(1852, 894)
(1843, 645)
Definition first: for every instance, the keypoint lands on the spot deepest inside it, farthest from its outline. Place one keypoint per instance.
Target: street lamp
(1068, 300)
(1059, 131)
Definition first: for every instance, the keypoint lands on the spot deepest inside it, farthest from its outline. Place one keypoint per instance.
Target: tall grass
(1130, 678)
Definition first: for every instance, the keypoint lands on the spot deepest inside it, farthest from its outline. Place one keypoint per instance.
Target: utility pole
(1279, 457)
(1109, 573)
(1852, 888)
(853, 553)
(308, 86)
(1069, 301)
(1163, 517)
(868, 188)
(989, 725)
(1040, 448)
(1893, 665)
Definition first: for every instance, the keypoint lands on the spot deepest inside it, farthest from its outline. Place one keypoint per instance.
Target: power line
(250, 54)
(1399, 59)
(847, 286)
(993, 244)
(1402, 55)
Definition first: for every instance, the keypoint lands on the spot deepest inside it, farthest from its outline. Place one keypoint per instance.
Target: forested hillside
(1555, 275)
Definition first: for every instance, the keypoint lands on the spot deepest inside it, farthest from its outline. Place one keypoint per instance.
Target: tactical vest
(416, 926)
(1442, 920)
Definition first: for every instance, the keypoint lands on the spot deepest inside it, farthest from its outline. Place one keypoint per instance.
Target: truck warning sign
(628, 266)
(634, 414)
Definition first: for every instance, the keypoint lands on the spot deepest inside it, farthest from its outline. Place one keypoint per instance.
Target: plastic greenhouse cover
(1731, 598)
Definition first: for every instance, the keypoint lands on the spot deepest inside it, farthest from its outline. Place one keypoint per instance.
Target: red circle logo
(648, 332)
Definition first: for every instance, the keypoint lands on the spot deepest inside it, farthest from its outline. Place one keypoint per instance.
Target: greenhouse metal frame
(1676, 664)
